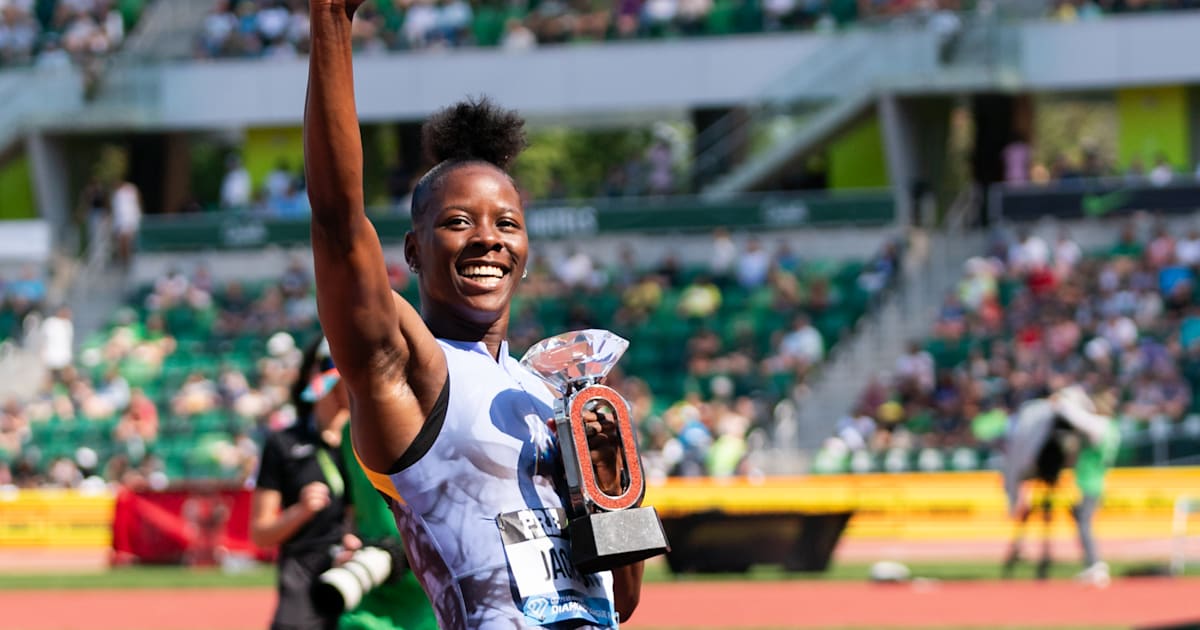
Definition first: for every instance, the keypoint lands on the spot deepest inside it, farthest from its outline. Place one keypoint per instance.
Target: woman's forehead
(478, 182)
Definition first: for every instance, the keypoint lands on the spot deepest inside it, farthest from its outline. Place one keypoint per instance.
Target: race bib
(551, 590)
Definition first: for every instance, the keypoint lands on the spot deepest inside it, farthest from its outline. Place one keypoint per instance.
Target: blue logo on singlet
(570, 606)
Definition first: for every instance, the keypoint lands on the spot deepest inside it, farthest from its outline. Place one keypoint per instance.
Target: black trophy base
(606, 540)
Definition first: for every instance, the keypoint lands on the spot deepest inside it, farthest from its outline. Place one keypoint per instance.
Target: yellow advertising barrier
(934, 506)
(917, 506)
(52, 518)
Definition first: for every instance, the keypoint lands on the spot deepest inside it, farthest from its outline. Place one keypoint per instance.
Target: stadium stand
(253, 28)
(59, 32)
(280, 27)
(190, 374)
(1032, 315)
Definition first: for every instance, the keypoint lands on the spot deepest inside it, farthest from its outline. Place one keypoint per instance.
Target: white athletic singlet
(479, 513)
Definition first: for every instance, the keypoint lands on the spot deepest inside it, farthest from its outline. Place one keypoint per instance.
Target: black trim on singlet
(428, 433)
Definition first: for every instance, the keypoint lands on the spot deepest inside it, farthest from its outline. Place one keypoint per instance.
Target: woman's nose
(487, 236)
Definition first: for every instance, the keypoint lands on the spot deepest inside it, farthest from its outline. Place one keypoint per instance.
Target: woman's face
(471, 247)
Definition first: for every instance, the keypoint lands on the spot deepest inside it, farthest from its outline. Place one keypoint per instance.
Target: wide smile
(485, 276)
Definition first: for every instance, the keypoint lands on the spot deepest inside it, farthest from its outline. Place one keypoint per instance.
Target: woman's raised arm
(387, 356)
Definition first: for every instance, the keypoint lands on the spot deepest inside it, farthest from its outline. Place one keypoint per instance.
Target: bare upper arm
(390, 407)
(387, 356)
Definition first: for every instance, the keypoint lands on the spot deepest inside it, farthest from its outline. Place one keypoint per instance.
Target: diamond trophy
(606, 531)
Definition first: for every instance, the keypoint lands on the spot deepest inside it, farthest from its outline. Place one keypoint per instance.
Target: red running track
(801, 604)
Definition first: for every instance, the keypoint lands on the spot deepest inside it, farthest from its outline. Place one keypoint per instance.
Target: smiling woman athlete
(449, 427)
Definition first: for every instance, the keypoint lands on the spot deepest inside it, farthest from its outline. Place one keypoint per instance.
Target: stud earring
(525, 274)
(413, 268)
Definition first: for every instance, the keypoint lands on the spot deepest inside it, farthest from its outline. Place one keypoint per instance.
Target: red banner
(193, 526)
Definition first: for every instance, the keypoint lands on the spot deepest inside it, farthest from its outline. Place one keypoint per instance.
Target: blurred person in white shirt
(58, 341)
(723, 256)
(803, 345)
(126, 219)
(517, 36)
(1187, 250)
(1029, 253)
(419, 23)
(577, 269)
(1162, 173)
(236, 188)
(753, 266)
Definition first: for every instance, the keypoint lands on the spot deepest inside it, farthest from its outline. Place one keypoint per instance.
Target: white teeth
(484, 271)
(488, 281)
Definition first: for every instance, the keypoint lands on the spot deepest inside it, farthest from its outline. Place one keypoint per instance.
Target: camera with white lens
(343, 587)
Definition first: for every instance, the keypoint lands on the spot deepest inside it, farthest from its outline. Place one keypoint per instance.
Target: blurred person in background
(58, 342)
(1100, 440)
(301, 502)
(126, 220)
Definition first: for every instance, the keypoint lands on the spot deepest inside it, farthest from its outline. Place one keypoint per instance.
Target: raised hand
(600, 425)
(350, 6)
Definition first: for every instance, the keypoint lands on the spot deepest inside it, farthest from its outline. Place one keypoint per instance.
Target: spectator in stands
(114, 391)
(577, 269)
(800, 349)
(197, 395)
(219, 27)
(139, 421)
(728, 451)
(517, 36)
(661, 162)
(1029, 253)
(126, 220)
(724, 257)
(1017, 156)
(753, 265)
(1163, 172)
(641, 299)
(280, 181)
(58, 342)
(14, 427)
(18, 35)
(236, 187)
(700, 299)
(915, 369)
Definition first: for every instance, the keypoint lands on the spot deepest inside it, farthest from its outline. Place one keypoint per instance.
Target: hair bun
(474, 129)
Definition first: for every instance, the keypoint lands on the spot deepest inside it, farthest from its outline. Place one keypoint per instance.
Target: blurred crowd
(1035, 315)
(736, 378)
(266, 28)
(282, 194)
(52, 33)
(1071, 10)
(191, 375)
(163, 386)
(1065, 169)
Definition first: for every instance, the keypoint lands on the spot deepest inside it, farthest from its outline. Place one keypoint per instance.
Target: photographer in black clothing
(301, 500)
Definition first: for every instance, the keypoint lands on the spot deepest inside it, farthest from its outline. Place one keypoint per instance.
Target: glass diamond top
(574, 356)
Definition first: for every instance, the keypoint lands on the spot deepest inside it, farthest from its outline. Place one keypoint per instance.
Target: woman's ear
(412, 252)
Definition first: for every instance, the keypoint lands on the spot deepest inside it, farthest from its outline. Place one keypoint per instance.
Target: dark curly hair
(471, 131)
